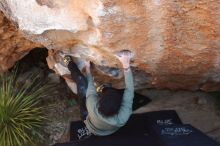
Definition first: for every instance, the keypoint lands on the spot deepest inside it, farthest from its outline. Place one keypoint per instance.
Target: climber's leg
(81, 82)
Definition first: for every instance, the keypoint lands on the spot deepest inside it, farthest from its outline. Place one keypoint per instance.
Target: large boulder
(176, 43)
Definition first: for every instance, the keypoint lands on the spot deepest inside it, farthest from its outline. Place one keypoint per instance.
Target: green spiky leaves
(21, 113)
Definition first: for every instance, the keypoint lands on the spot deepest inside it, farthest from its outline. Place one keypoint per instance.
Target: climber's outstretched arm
(91, 94)
(127, 102)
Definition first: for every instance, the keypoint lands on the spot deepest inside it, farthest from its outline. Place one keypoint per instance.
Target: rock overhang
(176, 43)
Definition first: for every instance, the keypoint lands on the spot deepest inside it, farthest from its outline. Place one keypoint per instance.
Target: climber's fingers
(87, 63)
(124, 53)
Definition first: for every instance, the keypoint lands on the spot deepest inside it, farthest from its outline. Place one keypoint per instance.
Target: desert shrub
(22, 116)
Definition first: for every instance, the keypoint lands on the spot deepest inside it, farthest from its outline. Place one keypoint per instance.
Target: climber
(107, 111)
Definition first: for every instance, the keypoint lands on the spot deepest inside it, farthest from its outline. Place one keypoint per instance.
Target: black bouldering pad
(160, 118)
(113, 141)
(137, 125)
(139, 101)
(165, 117)
(78, 131)
(134, 133)
(182, 135)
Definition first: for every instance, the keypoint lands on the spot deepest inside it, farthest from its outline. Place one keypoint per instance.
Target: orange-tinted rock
(13, 46)
(176, 43)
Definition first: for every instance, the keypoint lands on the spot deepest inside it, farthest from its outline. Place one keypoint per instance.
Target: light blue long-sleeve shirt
(100, 125)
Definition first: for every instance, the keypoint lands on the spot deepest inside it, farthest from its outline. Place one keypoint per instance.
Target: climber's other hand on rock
(125, 57)
(87, 66)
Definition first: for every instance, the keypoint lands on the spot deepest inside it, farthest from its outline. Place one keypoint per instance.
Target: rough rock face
(176, 43)
(13, 45)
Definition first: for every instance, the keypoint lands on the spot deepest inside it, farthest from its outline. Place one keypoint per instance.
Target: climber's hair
(109, 102)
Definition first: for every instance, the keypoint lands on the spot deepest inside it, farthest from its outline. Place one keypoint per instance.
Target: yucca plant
(21, 112)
